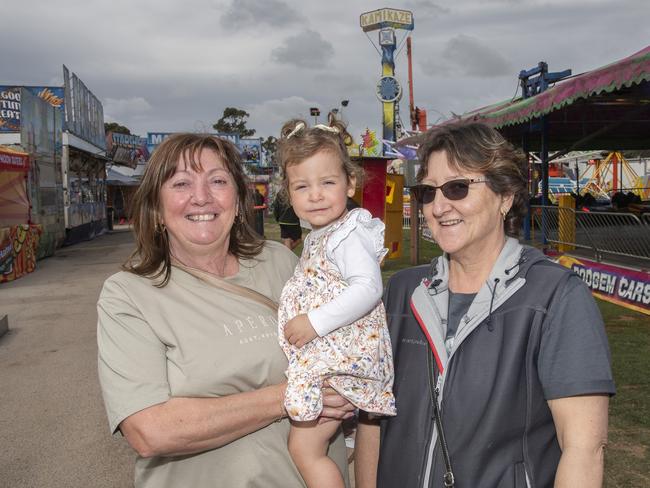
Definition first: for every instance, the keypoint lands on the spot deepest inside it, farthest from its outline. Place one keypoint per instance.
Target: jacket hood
(430, 300)
(513, 262)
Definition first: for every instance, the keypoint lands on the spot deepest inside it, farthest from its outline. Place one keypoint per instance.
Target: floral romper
(355, 359)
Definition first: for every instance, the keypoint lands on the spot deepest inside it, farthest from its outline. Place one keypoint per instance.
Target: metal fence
(406, 221)
(406, 217)
(614, 233)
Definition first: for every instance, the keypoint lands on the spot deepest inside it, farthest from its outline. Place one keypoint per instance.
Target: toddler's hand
(298, 331)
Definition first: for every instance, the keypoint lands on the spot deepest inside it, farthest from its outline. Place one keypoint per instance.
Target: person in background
(502, 365)
(189, 365)
(259, 211)
(351, 204)
(290, 229)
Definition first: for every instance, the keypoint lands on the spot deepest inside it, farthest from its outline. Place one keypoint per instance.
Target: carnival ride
(604, 174)
(602, 178)
(557, 115)
(382, 191)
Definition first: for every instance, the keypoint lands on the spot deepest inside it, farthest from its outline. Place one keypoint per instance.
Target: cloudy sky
(172, 65)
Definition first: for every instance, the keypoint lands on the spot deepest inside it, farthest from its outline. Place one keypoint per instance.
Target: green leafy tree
(115, 127)
(234, 121)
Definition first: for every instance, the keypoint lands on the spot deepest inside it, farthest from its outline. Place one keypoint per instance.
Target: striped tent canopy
(610, 104)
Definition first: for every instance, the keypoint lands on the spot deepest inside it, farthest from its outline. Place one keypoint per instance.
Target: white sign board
(387, 17)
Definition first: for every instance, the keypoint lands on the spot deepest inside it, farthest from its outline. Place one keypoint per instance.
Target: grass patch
(627, 461)
(427, 252)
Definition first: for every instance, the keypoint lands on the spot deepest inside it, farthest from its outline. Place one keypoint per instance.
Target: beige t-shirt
(190, 339)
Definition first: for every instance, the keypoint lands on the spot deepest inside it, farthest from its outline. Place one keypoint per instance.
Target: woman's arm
(581, 425)
(189, 425)
(366, 452)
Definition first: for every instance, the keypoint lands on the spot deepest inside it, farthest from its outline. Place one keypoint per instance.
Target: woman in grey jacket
(502, 367)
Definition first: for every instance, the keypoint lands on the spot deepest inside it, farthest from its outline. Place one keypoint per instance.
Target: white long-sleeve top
(356, 256)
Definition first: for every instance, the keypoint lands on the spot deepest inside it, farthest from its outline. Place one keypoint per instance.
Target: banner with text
(9, 109)
(11, 160)
(10, 103)
(622, 286)
(126, 149)
(155, 138)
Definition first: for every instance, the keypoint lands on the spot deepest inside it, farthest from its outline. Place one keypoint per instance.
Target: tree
(115, 127)
(234, 121)
(269, 146)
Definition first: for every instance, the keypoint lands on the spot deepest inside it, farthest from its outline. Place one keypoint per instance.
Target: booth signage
(10, 103)
(126, 149)
(10, 161)
(18, 245)
(155, 138)
(622, 286)
(386, 17)
(251, 150)
(9, 109)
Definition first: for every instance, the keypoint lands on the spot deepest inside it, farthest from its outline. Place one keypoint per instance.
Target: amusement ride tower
(389, 90)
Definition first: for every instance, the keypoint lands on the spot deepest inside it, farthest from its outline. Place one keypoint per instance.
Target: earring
(504, 213)
(158, 226)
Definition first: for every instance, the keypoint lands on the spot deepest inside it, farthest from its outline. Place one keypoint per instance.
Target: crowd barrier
(614, 233)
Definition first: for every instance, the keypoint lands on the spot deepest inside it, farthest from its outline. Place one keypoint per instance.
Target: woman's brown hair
(152, 257)
(476, 147)
(298, 142)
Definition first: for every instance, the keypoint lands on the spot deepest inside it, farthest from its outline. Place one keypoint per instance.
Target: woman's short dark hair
(152, 257)
(476, 147)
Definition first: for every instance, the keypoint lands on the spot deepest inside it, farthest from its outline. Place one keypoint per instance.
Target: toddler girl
(332, 324)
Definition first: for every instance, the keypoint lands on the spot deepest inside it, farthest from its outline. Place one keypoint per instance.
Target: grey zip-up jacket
(494, 410)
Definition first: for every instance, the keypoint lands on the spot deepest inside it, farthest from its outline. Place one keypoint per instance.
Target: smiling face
(318, 188)
(468, 227)
(199, 208)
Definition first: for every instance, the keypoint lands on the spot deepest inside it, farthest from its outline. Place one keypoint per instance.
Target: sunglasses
(452, 190)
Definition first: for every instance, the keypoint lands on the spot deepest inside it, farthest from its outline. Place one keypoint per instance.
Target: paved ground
(53, 428)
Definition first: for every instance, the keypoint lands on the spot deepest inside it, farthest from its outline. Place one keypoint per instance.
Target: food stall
(18, 236)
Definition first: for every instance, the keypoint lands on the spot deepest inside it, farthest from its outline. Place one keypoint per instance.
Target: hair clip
(299, 126)
(334, 130)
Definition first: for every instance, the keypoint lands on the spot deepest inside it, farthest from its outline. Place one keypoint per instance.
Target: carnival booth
(381, 195)
(18, 237)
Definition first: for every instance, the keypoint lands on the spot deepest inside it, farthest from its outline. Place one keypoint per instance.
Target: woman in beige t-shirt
(192, 374)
